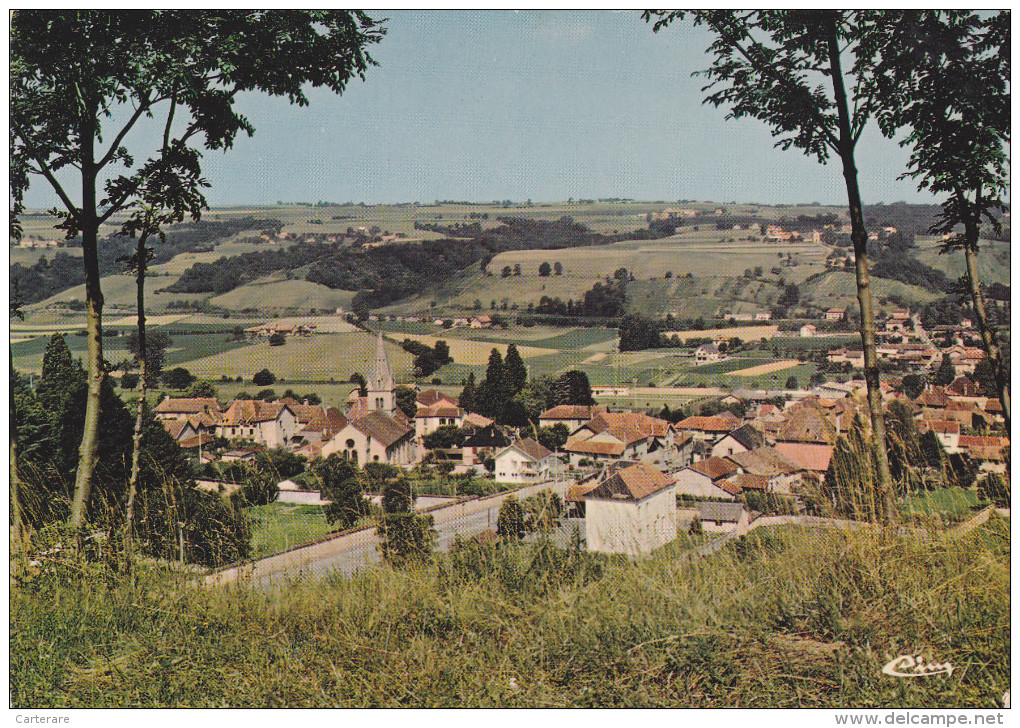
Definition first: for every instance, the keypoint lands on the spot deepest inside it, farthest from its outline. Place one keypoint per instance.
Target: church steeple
(380, 383)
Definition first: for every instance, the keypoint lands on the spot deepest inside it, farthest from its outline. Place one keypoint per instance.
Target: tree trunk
(859, 237)
(989, 336)
(136, 450)
(94, 328)
(17, 527)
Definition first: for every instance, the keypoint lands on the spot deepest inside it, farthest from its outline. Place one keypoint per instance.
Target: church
(376, 431)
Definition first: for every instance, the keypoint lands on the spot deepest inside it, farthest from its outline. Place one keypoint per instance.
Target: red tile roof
(944, 427)
(188, 405)
(430, 397)
(442, 409)
(569, 412)
(707, 424)
(714, 468)
(380, 426)
(249, 411)
(632, 483)
(532, 448)
(809, 456)
(595, 448)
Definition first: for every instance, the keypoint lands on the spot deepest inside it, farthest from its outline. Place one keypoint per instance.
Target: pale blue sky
(486, 105)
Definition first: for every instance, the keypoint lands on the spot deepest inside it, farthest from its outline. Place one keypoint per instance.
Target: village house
(708, 479)
(316, 423)
(898, 321)
(742, 439)
(430, 397)
(835, 314)
(708, 429)
(990, 452)
(526, 461)
(181, 408)
(947, 432)
(272, 424)
(807, 331)
(483, 443)
(781, 474)
(571, 415)
(429, 419)
(632, 511)
(616, 436)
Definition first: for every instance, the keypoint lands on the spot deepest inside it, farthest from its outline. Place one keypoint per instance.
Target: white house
(808, 330)
(706, 353)
(632, 511)
(429, 419)
(526, 461)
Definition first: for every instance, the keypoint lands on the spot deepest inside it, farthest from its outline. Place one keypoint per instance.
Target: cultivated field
(322, 357)
(745, 333)
(474, 352)
(776, 366)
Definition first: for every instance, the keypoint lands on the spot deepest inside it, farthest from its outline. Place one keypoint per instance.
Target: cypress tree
(515, 372)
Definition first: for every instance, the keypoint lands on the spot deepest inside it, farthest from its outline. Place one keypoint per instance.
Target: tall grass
(790, 618)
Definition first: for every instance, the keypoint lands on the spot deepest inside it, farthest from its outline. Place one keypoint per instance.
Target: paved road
(354, 551)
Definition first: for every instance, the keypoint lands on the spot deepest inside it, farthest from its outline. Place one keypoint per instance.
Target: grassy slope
(794, 619)
(993, 260)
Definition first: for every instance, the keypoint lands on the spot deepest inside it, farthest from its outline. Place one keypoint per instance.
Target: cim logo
(915, 666)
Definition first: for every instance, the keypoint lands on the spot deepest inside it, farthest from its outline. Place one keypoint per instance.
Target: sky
(541, 105)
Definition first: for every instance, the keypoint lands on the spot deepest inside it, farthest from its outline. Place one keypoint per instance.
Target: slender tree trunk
(17, 527)
(989, 336)
(94, 311)
(859, 237)
(136, 450)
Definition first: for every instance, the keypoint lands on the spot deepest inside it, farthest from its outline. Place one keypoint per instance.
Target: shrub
(263, 378)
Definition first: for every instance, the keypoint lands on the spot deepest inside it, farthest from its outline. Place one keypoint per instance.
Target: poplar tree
(789, 69)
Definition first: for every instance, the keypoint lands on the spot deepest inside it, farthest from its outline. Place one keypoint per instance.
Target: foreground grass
(796, 618)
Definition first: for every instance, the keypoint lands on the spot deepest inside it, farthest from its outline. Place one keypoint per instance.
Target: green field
(279, 526)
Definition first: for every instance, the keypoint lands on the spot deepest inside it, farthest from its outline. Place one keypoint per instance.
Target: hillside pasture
(993, 260)
(276, 293)
(839, 289)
